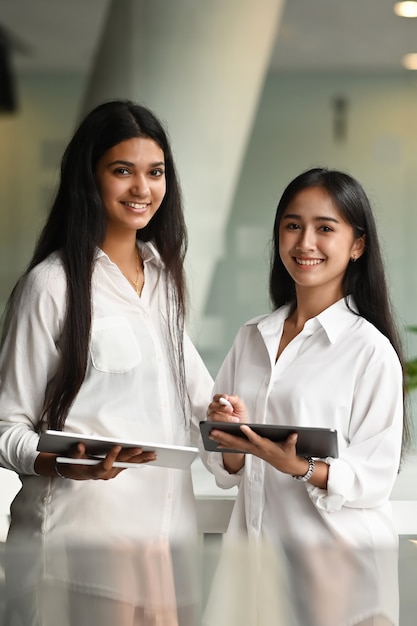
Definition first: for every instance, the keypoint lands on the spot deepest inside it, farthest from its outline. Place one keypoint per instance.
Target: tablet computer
(60, 442)
(315, 442)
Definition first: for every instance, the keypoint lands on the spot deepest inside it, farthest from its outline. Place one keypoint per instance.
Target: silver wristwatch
(309, 473)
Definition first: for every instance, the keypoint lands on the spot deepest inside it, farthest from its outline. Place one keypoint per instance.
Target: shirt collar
(333, 320)
(337, 317)
(147, 249)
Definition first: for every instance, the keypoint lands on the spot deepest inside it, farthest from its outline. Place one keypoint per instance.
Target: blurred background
(252, 93)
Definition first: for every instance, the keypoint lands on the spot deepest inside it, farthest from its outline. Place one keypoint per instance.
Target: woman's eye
(156, 173)
(326, 229)
(122, 170)
(293, 226)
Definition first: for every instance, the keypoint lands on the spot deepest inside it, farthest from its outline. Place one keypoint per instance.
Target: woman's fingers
(226, 440)
(105, 469)
(255, 444)
(136, 455)
(224, 408)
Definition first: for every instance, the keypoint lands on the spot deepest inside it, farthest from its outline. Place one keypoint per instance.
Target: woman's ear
(358, 248)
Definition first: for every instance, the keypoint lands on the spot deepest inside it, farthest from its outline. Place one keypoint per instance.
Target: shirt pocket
(114, 347)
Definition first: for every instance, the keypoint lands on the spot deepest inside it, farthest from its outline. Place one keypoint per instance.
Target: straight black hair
(365, 279)
(76, 226)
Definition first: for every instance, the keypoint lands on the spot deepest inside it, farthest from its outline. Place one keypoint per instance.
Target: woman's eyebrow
(319, 218)
(120, 162)
(131, 164)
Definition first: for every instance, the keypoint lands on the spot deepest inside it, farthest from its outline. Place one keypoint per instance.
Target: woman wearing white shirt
(94, 343)
(328, 356)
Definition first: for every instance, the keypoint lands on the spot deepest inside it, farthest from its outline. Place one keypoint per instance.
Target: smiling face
(131, 180)
(316, 244)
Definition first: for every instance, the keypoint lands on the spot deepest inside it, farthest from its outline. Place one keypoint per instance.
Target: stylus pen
(71, 461)
(225, 402)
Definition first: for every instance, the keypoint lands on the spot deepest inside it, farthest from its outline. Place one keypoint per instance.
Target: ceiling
(53, 35)
(314, 35)
(343, 36)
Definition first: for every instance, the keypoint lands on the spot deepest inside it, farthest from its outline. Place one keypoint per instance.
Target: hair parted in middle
(76, 225)
(365, 279)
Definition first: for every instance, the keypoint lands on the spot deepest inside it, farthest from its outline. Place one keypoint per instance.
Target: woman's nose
(306, 241)
(140, 186)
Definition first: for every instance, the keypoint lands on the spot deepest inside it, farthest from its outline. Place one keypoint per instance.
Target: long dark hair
(76, 225)
(365, 279)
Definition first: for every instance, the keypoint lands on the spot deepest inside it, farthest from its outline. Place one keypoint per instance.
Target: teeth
(135, 205)
(309, 261)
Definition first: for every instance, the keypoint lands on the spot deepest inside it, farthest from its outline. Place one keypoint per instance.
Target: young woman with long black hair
(328, 356)
(94, 343)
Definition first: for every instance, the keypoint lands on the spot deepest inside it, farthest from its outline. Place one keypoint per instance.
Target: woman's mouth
(138, 206)
(308, 261)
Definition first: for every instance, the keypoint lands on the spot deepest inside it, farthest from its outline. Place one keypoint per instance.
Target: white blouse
(340, 372)
(129, 392)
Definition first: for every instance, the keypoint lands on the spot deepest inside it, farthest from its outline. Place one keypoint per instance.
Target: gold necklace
(135, 283)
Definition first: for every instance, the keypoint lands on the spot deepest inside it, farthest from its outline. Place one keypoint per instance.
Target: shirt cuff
(339, 484)
(224, 480)
(24, 446)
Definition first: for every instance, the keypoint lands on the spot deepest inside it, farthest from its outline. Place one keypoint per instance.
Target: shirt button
(169, 496)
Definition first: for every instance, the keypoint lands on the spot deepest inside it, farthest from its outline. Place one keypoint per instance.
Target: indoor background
(252, 93)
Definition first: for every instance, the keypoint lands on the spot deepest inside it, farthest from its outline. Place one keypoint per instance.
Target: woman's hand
(282, 456)
(234, 411)
(45, 463)
(218, 412)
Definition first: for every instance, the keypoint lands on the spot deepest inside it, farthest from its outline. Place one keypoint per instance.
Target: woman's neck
(121, 250)
(311, 303)
(125, 254)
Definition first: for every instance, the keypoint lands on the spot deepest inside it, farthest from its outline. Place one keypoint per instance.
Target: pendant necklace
(135, 283)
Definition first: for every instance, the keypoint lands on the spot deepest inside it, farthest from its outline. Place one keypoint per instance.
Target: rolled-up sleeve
(365, 472)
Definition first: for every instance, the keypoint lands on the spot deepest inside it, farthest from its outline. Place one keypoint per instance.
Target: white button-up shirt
(129, 392)
(340, 372)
